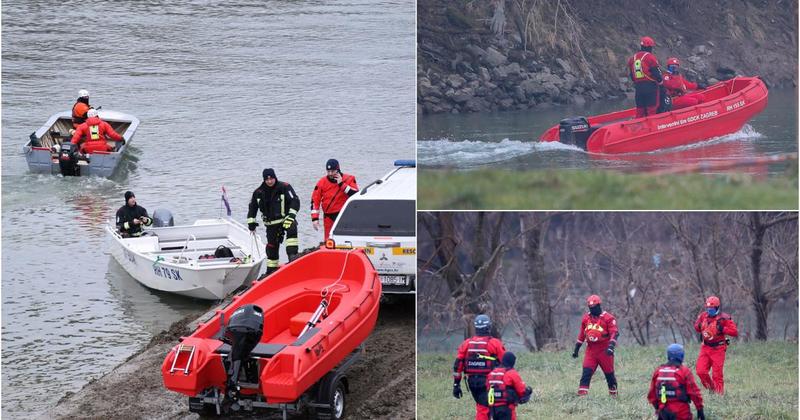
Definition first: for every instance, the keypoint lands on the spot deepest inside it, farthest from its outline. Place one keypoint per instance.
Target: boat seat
(172, 250)
(298, 322)
(266, 350)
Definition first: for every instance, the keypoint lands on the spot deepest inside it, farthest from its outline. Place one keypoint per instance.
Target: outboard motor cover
(575, 131)
(67, 161)
(163, 218)
(244, 330)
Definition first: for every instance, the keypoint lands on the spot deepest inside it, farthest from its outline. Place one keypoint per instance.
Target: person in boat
(80, 109)
(599, 328)
(643, 69)
(681, 89)
(714, 326)
(477, 357)
(132, 217)
(506, 389)
(330, 194)
(95, 131)
(279, 205)
(672, 387)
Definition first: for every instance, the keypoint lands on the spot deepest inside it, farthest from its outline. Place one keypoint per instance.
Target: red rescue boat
(285, 342)
(728, 105)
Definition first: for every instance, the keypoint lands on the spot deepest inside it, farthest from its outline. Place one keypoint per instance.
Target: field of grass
(761, 381)
(601, 190)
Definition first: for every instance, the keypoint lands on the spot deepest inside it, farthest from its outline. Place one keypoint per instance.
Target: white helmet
(83, 93)
(91, 113)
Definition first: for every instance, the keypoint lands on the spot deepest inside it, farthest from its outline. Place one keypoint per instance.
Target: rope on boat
(327, 292)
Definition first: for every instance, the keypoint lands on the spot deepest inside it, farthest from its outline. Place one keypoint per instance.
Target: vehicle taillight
(330, 244)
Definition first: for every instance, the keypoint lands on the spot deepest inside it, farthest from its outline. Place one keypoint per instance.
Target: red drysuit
(95, 131)
(679, 388)
(477, 356)
(643, 70)
(499, 382)
(330, 197)
(678, 88)
(598, 332)
(712, 351)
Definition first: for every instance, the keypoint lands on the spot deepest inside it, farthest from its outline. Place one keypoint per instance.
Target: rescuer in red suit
(599, 329)
(330, 194)
(714, 326)
(646, 75)
(477, 356)
(95, 131)
(505, 389)
(679, 88)
(672, 387)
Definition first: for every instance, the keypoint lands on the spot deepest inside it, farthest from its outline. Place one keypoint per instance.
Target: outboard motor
(243, 334)
(67, 159)
(575, 131)
(163, 218)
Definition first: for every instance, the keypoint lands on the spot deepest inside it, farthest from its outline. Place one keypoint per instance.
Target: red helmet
(712, 302)
(672, 61)
(646, 41)
(593, 300)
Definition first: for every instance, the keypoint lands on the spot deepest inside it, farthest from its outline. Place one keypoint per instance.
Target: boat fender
(223, 252)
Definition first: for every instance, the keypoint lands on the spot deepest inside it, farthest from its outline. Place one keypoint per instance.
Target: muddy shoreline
(381, 382)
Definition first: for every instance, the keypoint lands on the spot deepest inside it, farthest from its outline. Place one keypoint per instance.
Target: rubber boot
(611, 380)
(586, 378)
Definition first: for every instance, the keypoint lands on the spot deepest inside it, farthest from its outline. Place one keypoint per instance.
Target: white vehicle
(382, 219)
(181, 259)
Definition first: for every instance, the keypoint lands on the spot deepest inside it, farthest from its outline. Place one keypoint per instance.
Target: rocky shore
(492, 55)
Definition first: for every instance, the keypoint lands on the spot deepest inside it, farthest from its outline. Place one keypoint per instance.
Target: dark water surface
(508, 140)
(222, 92)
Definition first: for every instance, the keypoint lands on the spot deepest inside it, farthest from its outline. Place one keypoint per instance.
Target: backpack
(667, 386)
(478, 362)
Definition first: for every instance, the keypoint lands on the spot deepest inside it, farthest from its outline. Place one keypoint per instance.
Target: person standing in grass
(714, 326)
(599, 329)
(506, 389)
(673, 387)
(477, 356)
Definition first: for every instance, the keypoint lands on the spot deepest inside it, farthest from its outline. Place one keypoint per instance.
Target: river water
(508, 140)
(222, 92)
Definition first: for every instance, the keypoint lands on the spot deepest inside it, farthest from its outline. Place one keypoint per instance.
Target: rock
(593, 93)
(712, 81)
(699, 50)
(511, 71)
(455, 81)
(569, 81)
(564, 65)
(462, 96)
(693, 59)
(477, 105)
(475, 51)
(493, 57)
(426, 90)
(484, 73)
(519, 94)
(578, 100)
(506, 104)
(711, 43)
(532, 87)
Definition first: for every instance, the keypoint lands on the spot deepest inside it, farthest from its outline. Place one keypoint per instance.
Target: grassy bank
(601, 190)
(761, 383)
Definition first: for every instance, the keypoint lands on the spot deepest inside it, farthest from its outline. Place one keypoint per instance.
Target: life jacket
(668, 388)
(94, 132)
(637, 68)
(498, 392)
(479, 361)
(709, 331)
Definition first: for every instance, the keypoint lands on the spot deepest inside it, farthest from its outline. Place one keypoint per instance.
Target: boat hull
(730, 106)
(212, 281)
(292, 291)
(102, 164)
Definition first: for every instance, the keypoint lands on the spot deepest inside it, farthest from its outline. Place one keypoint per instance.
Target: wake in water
(473, 153)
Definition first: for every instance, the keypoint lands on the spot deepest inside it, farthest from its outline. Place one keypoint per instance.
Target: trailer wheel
(336, 403)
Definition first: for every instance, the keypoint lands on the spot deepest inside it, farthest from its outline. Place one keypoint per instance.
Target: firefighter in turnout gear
(599, 328)
(506, 389)
(714, 326)
(673, 387)
(477, 356)
(279, 205)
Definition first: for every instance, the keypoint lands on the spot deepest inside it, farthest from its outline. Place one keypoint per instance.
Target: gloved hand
(610, 349)
(315, 223)
(287, 221)
(701, 415)
(252, 226)
(123, 141)
(575, 352)
(457, 390)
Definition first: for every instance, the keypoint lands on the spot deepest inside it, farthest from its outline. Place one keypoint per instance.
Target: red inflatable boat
(285, 343)
(727, 107)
